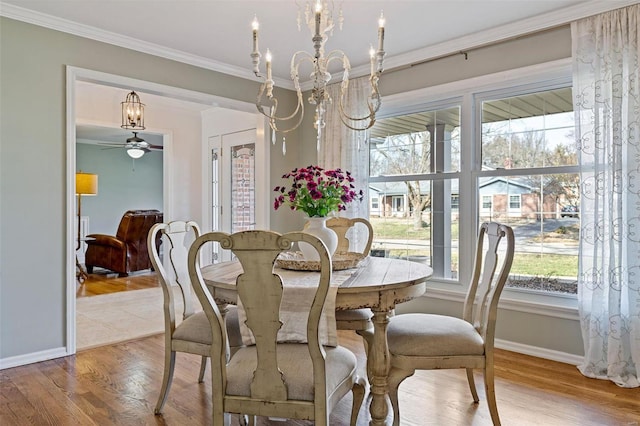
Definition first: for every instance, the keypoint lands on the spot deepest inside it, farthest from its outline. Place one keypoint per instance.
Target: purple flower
(316, 191)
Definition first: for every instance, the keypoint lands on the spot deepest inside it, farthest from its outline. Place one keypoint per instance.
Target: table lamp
(86, 184)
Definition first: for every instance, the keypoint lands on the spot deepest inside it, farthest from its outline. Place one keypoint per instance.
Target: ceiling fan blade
(113, 144)
(156, 146)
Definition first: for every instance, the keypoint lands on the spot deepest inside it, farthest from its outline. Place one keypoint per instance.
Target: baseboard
(538, 352)
(564, 357)
(16, 361)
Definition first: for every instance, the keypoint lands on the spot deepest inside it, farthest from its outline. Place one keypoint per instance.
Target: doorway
(182, 197)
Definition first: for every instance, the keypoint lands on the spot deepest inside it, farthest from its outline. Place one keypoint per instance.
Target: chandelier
(132, 112)
(321, 25)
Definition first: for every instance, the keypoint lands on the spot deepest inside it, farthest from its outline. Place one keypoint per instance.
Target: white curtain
(344, 148)
(607, 109)
(341, 147)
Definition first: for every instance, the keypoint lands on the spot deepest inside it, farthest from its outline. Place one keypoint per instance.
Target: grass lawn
(526, 264)
(545, 265)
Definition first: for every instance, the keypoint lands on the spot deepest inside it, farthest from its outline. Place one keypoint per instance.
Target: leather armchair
(127, 250)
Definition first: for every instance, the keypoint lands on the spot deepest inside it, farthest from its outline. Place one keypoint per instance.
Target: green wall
(33, 210)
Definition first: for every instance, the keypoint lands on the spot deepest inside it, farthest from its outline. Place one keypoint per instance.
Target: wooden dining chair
(295, 379)
(192, 334)
(428, 342)
(358, 320)
(342, 226)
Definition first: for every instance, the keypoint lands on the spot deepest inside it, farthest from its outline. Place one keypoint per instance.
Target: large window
(520, 168)
(414, 163)
(529, 167)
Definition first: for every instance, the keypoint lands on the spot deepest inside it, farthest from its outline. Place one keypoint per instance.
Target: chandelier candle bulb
(318, 17)
(381, 32)
(255, 25)
(268, 59)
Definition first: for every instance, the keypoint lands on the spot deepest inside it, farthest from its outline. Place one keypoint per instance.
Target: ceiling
(91, 134)
(532, 105)
(216, 34)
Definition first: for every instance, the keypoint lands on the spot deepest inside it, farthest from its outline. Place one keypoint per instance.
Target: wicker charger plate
(295, 261)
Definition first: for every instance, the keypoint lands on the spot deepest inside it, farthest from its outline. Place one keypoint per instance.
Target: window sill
(557, 305)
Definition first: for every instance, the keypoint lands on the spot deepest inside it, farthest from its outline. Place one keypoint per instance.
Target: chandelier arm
(295, 64)
(274, 126)
(345, 119)
(273, 116)
(373, 108)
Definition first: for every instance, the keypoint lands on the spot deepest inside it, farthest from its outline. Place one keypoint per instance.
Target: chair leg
(491, 394)
(203, 366)
(358, 392)
(367, 340)
(472, 385)
(169, 364)
(396, 376)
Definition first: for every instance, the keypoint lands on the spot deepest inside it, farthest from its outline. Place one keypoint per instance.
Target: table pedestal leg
(378, 364)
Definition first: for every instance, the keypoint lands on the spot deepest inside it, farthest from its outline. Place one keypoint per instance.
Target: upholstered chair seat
(196, 328)
(296, 367)
(445, 335)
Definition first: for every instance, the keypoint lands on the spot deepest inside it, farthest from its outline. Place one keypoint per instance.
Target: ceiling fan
(136, 146)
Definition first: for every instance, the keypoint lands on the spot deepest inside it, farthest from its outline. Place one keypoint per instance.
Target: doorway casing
(74, 74)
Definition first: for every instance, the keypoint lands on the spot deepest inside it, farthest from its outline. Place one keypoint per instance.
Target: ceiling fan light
(135, 153)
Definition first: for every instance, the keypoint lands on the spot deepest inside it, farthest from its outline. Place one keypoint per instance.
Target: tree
(531, 149)
(406, 154)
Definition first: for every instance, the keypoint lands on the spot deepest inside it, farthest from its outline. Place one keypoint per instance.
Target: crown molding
(86, 31)
(483, 38)
(531, 25)
(520, 28)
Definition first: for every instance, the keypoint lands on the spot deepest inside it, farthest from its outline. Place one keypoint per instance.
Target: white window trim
(470, 91)
(515, 209)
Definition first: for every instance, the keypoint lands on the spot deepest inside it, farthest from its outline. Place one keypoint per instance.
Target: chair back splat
(344, 225)
(481, 301)
(272, 375)
(428, 341)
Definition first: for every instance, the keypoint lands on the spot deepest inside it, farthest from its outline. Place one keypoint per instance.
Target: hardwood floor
(119, 384)
(103, 281)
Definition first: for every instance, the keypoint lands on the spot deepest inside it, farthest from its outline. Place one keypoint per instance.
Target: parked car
(569, 211)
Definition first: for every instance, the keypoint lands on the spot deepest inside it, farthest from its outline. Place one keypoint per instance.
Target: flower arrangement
(317, 191)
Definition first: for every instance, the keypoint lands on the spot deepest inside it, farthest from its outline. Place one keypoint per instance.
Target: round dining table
(377, 283)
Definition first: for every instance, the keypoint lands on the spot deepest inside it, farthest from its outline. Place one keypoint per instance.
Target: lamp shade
(86, 183)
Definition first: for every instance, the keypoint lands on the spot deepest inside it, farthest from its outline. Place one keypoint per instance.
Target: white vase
(317, 226)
